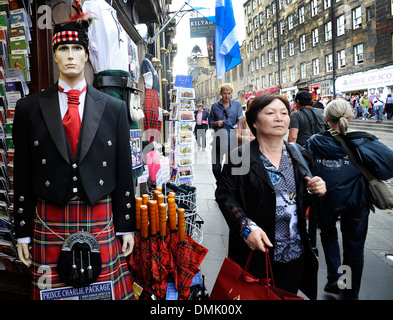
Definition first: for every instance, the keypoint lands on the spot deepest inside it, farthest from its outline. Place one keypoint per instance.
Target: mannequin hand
(24, 253)
(257, 240)
(316, 185)
(128, 244)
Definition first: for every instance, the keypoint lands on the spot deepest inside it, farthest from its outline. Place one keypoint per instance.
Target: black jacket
(251, 191)
(45, 167)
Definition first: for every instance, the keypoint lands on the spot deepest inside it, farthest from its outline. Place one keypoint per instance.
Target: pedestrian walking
(264, 197)
(306, 120)
(347, 195)
(201, 124)
(224, 117)
(365, 104)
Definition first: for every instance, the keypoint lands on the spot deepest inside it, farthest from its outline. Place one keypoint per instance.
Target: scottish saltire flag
(226, 44)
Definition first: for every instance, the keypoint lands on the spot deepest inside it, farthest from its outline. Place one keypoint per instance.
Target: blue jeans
(354, 226)
(378, 113)
(365, 112)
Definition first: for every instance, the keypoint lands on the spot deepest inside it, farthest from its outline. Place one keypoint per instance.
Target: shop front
(371, 81)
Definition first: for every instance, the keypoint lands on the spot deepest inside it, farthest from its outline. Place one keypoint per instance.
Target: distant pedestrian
(347, 194)
(389, 107)
(356, 107)
(365, 104)
(201, 124)
(378, 107)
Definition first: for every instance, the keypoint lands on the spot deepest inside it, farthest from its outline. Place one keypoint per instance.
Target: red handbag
(235, 283)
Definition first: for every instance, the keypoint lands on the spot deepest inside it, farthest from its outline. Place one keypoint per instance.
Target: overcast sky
(185, 43)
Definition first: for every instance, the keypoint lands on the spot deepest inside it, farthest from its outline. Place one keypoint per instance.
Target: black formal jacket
(251, 191)
(45, 167)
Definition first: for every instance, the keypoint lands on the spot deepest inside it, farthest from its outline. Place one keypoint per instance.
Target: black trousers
(288, 276)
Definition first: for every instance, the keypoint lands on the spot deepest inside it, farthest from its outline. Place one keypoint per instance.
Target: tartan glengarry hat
(70, 33)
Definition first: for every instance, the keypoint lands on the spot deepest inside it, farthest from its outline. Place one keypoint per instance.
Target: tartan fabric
(151, 123)
(188, 257)
(65, 36)
(78, 215)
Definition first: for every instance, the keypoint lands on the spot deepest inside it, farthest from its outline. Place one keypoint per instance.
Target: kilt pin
(92, 191)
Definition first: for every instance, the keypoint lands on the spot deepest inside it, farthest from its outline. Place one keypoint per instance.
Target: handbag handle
(268, 265)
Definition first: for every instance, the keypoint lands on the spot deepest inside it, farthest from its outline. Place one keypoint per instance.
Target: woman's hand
(257, 240)
(316, 185)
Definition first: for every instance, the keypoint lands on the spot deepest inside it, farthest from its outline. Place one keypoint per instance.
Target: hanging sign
(201, 28)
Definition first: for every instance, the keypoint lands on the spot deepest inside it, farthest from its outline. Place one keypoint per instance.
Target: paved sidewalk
(377, 281)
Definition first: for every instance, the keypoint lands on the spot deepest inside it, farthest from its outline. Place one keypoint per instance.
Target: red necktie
(72, 120)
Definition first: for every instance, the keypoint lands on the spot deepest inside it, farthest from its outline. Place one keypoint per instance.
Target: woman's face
(273, 120)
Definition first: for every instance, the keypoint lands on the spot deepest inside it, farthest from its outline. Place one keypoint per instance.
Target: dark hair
(318, 105)
(304, 98)
(260, 102)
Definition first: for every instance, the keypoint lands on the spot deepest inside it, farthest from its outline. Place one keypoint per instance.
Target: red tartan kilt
(151, 123)
(78, 215)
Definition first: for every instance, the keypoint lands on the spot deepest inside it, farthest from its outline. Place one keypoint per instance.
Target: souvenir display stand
(15, 36)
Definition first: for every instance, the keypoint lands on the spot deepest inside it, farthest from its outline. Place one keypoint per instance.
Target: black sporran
(79, 262)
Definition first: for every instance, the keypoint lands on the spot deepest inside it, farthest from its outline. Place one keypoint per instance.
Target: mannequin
(84, 181)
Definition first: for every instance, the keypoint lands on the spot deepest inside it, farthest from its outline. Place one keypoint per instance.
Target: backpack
(316, 126)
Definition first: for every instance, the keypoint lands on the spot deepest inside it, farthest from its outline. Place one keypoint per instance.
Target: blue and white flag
(226, 44)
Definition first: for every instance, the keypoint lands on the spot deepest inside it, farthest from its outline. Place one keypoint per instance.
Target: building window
(254, 5)
(292, 73)
(256, 23)
(329, 63)
(275, 33)
(357, 17)
(261, 18)
(291, 48)
(283, 52)
(269, 35)
(341, 59)
(274, 7)
(290, 22)
(258, 84)
(301, 15)
(277, 78)
(252, 65)
(262, 39)
(270, 79)
(257, 65)
(326, 4)
(275, 55)
(263, 82)
(282, 26)
(251, 46)
(270, 56)
(328, 31)
(303, 70)
(358, 51)
(314, 34)
(315, 66)
(284, 76)
(281, 4)
(340, 25)
(302, 42)
(368, 14)
(267, 12)
(314, 7)
(256, 42)
(263, 61)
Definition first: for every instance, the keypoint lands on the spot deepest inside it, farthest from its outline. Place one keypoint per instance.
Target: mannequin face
(71, 59)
